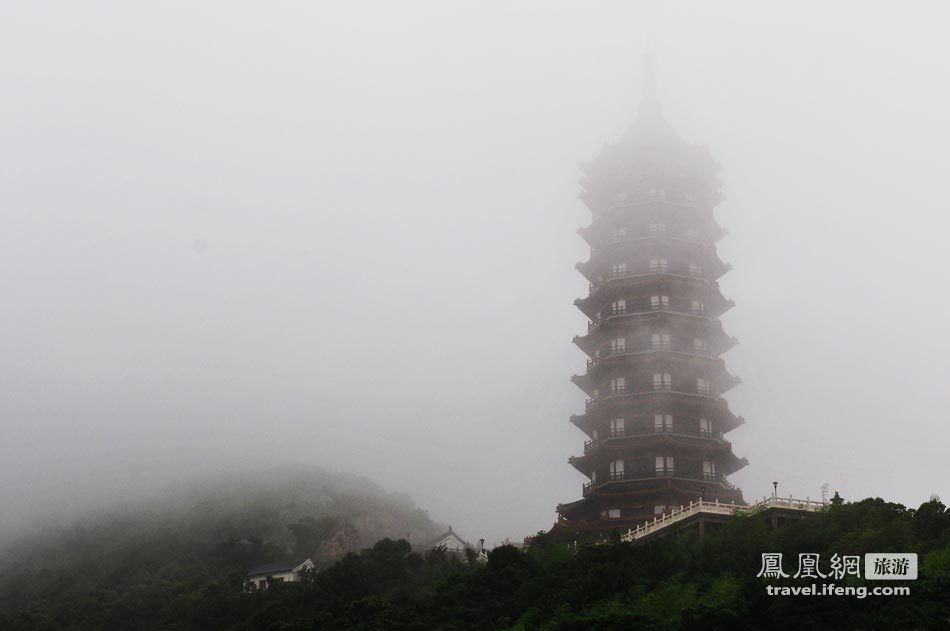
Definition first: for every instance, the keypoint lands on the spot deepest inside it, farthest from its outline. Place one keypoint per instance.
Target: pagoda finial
(648, 102)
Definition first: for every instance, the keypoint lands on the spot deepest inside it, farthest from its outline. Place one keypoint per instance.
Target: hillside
(204, 531)
(680, 582)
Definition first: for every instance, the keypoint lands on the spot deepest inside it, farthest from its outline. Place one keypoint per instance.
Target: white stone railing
(718, 508)
(788, 503)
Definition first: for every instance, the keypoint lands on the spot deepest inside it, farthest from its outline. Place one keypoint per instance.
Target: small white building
(451, 542)
(283, 571)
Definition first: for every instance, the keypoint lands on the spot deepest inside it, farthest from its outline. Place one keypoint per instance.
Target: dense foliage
(677, 582)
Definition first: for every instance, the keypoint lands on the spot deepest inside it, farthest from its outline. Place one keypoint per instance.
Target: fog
(241, 235)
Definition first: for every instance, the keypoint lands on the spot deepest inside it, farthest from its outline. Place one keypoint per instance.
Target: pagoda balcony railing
(708, 394)
(624, 476)
(662, 348)
(613, 313)
(611, 276)
(590, 445)
(654, 269)
(726, 483)
(631, 237)
(616, 204)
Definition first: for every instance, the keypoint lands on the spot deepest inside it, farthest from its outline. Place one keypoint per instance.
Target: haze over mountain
(256, 505)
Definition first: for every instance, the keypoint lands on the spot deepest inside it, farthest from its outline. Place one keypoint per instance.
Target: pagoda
(655, 418)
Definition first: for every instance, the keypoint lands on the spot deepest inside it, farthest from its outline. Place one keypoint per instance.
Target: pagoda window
(662, 381)
(699, 345)
(664, 465)
(620, 198)
(698, 308)
(618, 385)
(618, 345)
(662, 422)
(658, 303)
(656, 229)
(659, 264)
(695, 269)
(709, 470)
(659, 509)
(593, 435)
(617, 427)
(705, 427)
(616, 469)
(703, 386)
(593, 476)
(661, 340)
(656, 193)
(619, 269)
(692, 233)
(619, 233)
(613, 513)
(689, 197)
(618, 307)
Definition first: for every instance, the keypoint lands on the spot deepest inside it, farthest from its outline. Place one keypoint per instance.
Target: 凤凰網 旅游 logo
(892, 566)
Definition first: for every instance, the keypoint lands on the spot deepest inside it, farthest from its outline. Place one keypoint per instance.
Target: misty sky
(247, 234)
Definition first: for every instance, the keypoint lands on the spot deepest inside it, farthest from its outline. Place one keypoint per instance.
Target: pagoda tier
(655, 417)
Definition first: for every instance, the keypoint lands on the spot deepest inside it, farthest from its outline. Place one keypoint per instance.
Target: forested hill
(202, 531)
(680, 582)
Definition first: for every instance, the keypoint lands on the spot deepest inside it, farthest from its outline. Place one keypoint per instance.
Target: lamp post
(774, 490)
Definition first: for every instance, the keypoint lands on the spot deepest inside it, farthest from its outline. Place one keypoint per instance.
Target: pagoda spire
(648, 102)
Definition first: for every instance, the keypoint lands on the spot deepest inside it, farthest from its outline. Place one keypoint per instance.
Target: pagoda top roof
(650, 136)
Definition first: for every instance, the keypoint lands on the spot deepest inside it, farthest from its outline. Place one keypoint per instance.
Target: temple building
(655, 418)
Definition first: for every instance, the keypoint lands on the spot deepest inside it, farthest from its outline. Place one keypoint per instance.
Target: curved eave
(734, 463)
(588, 234)
(601, 293)
(724, 380)
(719, 410)
(620, 489)
(596, 267)
(608, 448)
(571, 506)
(716, 337)
(610, 399)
